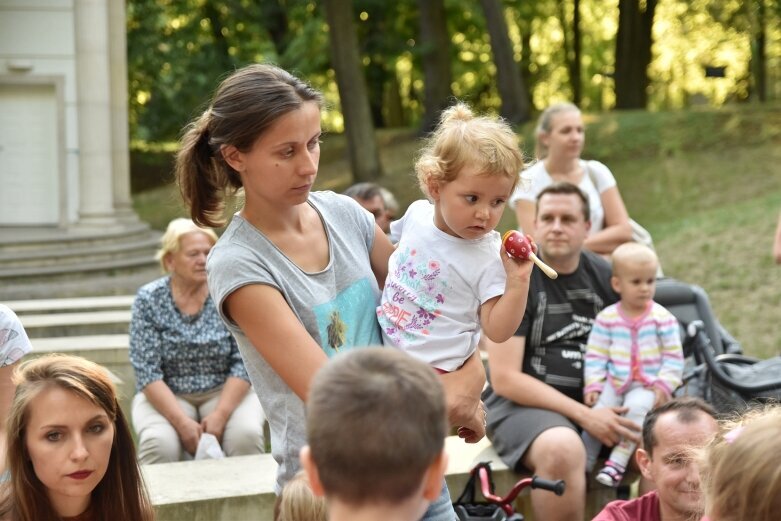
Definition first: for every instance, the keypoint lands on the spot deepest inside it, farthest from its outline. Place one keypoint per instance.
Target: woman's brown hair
(120, 495)
(244, 106)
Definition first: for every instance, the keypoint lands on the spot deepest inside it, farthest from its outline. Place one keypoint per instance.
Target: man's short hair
(364, 191)
(688, 410)
(376, 421)
(566, 188)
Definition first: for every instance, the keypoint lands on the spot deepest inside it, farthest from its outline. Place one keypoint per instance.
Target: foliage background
(699, 166)
(179, 49)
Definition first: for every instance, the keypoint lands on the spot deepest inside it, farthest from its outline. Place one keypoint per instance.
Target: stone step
(76, 256)
(97, 283)
(82, 269)
(54, 239)
(110, 347)
(110, 351)
(76, 324)
(52, 262)
(83, 304)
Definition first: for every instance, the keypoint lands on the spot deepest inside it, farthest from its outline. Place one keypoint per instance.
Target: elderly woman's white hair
(171, 239)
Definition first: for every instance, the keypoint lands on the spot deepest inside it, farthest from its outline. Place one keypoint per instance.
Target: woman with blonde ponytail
(560, 137)
(296, 275)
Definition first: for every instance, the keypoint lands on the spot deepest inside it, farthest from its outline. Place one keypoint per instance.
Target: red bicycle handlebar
(557, 487)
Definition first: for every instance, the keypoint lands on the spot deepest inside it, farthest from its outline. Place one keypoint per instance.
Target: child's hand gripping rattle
(518, 246)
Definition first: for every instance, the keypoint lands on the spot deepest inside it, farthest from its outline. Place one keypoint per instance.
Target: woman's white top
(540, 178)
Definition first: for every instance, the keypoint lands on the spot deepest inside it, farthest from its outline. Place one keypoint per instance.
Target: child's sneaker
(610, 475)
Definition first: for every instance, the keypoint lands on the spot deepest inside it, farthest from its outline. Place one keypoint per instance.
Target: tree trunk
(526, 65)
(572, 47)
(758, 51)
(633, 53)
(515, 104)
(361, 143)
(394, 110)
(575, 64)
(275, 21)
(376, 78)
(220, 43)
(435, 55)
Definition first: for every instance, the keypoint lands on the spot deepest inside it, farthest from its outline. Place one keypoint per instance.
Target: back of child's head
(297, 502)
(376, 421)
(463, 140)
(631, 255)
(741, 469)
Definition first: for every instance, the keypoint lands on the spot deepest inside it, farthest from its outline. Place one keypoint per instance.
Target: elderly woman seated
(189, 374)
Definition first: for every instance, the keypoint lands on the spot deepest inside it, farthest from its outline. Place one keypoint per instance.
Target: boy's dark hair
(566, 188)
(688, 410)
(376, 420)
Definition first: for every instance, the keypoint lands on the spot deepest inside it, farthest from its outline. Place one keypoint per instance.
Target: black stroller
(716, 370)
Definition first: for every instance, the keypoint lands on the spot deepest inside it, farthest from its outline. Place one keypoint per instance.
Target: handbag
(639, 233)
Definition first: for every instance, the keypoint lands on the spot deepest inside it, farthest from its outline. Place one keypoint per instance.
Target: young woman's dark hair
(245, 105)
(120, 495)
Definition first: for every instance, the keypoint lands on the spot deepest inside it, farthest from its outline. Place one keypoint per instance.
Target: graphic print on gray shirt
(336, 305)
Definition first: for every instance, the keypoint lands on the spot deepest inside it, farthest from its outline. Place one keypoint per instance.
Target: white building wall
(37, 42)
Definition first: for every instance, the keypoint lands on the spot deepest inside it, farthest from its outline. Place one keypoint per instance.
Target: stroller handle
(703, 346)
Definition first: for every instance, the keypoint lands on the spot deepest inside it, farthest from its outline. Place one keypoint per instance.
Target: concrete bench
(242, 487)
(48, 325)
(230, 489)
(110, 351)
(59, 305)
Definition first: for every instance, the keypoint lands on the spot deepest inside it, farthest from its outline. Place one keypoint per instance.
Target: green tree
(572, 46)
(380, 54)
(361, 143)
(178, 51)
(435, 53)
(633, 52)
(515, 106)
(751, 17)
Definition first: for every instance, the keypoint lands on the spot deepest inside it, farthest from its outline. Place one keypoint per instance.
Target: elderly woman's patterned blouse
(190, 353)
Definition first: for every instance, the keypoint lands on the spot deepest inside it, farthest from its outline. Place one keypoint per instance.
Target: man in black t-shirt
(534, 402)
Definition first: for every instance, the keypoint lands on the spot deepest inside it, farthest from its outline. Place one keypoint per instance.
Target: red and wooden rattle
(518, 246)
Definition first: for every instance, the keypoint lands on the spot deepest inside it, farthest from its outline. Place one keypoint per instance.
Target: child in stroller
(634, 356)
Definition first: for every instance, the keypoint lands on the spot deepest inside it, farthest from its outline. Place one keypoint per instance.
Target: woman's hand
(189, 432)
(474, 431)
(233, 392)
(214, 423)
(462, 392)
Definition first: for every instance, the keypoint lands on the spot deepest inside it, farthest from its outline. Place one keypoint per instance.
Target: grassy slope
(705, 182)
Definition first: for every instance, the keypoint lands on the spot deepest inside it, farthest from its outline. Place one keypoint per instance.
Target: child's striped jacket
(646, 349)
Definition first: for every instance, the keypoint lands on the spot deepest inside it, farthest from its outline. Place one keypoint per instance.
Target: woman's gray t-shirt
(336, 305)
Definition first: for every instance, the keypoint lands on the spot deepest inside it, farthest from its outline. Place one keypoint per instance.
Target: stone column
(119, 129)
(93, 91)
